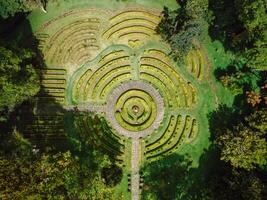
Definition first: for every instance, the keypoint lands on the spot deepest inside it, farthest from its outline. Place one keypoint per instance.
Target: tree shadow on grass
(161, 178)
(221, 119)
(42, 119)
(33, 117)
(87, 131)
(173, 177)
(17, 37)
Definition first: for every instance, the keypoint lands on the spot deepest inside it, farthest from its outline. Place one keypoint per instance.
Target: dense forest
(234, 166)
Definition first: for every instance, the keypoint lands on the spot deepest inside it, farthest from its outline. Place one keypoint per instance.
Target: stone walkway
(135, 177)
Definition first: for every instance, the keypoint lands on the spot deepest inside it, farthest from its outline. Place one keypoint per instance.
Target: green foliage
(112, 175)
(242, 143)
(19, 80)
(243, 148)
(227, 184)
(253, 15)
(48, 175)
(162, 178)
(14, 144)
(232, 83)
(182, 42)
(197, 8)
(225, 21)
(256, 56)
(171, 21)
(238, 76)
(11, 7)
(241, 26)
(257, 120)
(182, 26)
(246, 184)
(57, 176)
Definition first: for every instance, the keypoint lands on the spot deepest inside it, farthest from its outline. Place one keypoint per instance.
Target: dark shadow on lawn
(161, 178)
(173, 177)
(48, 126)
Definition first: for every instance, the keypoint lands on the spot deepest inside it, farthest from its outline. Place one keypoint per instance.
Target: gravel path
(135, 169)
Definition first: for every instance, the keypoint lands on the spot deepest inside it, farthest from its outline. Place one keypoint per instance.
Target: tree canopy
(11, 7)
(243, 148)
(180, 27)
(19, 79)
(51, 176)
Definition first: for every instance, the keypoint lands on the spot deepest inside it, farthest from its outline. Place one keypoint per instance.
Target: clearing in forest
(108, 59)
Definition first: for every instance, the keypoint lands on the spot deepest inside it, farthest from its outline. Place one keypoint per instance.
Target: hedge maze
(95, 130)
(178, 130)
(74, 43)
(114, 64)
(112, 68)
(195, 63)
(132, 25)
(156, 68)
(53, 85)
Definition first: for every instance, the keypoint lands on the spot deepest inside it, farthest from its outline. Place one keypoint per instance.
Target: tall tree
(244, 145)
(51, 176)
(182, 26)
(11, 7)
(253, 15)
(256, 56)
(243, 148)
(18, 79)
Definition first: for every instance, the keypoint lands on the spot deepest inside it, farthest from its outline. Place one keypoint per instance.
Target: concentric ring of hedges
(153, 119)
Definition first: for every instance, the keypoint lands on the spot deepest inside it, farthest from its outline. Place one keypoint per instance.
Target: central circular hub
(135, 109)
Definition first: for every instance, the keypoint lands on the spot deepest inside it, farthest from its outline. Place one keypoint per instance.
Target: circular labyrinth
(135, 109)
(114, 63)
(142, 94)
